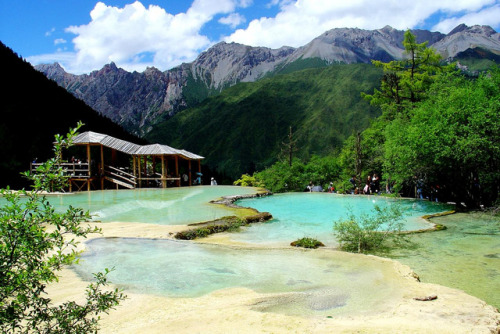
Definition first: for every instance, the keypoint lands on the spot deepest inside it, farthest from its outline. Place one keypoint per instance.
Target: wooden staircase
(120, 177)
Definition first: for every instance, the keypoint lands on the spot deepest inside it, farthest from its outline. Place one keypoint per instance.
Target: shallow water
(465, 256)
(171, 206)
(298, 215)
(311, 282)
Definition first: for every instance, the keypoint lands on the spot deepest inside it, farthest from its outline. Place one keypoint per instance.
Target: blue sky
(84, 35)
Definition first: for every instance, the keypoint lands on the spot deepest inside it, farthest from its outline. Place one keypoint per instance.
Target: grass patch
(307, 243)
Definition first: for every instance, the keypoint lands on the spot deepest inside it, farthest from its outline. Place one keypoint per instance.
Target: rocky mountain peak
(476, 29)
(463, 38)
(139, 100)
(107, 69)
(459, 28)
(388, 29)
(351, 45)
(53, 69)
(152, 71)
(229, 63)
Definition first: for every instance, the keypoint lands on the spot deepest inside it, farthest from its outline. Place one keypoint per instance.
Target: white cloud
(233, 20)
(50, 32)
(59, 41)
(120, 34)
(135, 37)
(489, 16)
(61, 57)
(245, 3)
(300, 21)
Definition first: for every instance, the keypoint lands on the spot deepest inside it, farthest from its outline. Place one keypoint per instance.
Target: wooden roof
(124, 146)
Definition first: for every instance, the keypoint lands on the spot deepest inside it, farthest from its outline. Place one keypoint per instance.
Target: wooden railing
(71, 169)
(80, 172)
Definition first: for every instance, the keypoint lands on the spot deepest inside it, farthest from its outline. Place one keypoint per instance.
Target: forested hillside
(33, 109)
(438, 137)
(243, 129)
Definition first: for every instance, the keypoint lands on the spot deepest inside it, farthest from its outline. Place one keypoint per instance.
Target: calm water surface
(465, 256)
(298, 215)
(171, 206)
(312, 282)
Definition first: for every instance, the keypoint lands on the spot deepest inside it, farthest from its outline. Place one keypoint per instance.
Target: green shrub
(307, 243)
(246, 181)
(368, 233)
(281, 177)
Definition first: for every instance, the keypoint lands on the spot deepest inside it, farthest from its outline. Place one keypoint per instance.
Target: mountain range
(140, 101)
(244, 128)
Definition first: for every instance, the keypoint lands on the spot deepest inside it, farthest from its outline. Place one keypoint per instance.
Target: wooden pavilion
(153, 165)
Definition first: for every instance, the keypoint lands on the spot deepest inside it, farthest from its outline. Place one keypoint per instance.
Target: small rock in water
(425, 299)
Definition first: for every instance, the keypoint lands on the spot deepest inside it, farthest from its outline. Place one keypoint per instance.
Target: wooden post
(139, 170)
(163, 174)
(88, 158)
(145, 168)
(177, 170)
(88, 162)
(101, 175)
(190, 180)
(134, 166)
(113, 157)
(166, 170)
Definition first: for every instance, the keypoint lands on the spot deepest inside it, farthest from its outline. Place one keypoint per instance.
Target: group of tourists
(371, 185)
(426, 191)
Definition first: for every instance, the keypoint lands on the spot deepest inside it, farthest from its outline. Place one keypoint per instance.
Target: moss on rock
(307, 243)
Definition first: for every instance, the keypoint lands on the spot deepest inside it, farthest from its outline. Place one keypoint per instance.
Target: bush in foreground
(307, 243)
(35, 243)
(368, 233)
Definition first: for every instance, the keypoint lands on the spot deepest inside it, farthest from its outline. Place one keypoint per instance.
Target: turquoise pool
(298, 215)
(171, 206)
(308, 282)
(465, 256)
(324, 282)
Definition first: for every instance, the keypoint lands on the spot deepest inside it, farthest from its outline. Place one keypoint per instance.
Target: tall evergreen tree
(406, 81)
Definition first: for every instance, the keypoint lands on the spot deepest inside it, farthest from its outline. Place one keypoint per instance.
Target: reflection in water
(310, 281)
(464, 256)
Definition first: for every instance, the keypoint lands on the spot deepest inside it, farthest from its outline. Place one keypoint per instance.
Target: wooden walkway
(80, 177)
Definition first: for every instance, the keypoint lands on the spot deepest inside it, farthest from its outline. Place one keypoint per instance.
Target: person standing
(367, 188)
(376, 183)
(310, 186)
